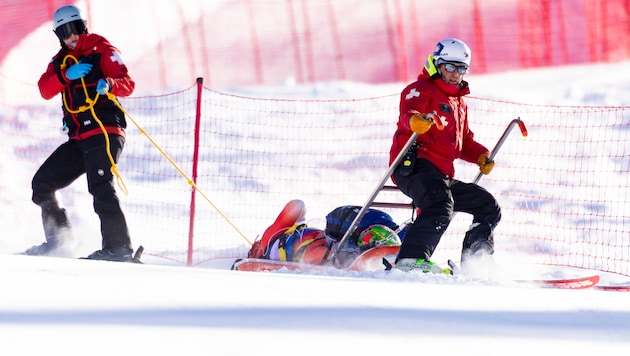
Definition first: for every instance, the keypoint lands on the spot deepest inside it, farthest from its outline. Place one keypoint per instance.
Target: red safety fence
(563, 188)
(248, 42)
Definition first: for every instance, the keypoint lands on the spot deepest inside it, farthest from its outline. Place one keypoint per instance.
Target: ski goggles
(68, 29)
(451, 67)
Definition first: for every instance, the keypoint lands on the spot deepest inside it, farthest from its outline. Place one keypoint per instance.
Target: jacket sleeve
(412, 102)
(116, 73)
(52, 82)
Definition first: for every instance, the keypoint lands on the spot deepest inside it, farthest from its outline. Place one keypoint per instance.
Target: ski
(134, 259)
(261, 265)
(613, 288)
(384, 255)
(569, 283)
(265, 265)
(369, 260)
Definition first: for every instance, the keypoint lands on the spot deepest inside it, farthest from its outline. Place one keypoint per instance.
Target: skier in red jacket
(427, 173)
(84, 71)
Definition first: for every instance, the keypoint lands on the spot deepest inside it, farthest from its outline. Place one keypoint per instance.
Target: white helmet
(451, 50)
(68, 20)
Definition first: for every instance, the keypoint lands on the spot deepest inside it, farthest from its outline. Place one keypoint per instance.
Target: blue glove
(102, 87)
(77, 71)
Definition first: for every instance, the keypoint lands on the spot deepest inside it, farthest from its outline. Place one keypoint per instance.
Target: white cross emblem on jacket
(116, 58)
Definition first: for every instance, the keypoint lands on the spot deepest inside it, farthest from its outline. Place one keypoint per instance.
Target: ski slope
(65, 306)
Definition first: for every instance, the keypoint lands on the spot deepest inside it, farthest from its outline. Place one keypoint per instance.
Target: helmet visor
(67, 29)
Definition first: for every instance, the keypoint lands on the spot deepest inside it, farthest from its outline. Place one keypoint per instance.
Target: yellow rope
(90, 105)
(190, 181)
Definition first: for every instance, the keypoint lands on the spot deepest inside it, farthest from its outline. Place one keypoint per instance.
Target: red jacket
(106, 64)
(439, 147)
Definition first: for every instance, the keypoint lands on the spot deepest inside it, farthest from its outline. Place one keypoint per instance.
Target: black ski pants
(438, 197)
(71, 160)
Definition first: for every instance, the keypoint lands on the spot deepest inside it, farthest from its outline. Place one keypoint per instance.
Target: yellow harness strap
(90, 106)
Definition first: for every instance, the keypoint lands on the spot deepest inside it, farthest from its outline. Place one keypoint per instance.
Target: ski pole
(507, 131)
(502, 139)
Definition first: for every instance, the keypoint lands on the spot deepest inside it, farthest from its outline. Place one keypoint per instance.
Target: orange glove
(421, 123)
(485, 163)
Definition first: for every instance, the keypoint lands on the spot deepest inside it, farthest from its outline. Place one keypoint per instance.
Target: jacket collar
(448, 89)
(86, 42)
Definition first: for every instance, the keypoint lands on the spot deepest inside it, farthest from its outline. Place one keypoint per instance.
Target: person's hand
(77, 71)
(485, 163)
(421, 123)
(102, 87)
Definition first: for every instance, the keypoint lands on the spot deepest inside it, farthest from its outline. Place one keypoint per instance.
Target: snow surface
(58, 306)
